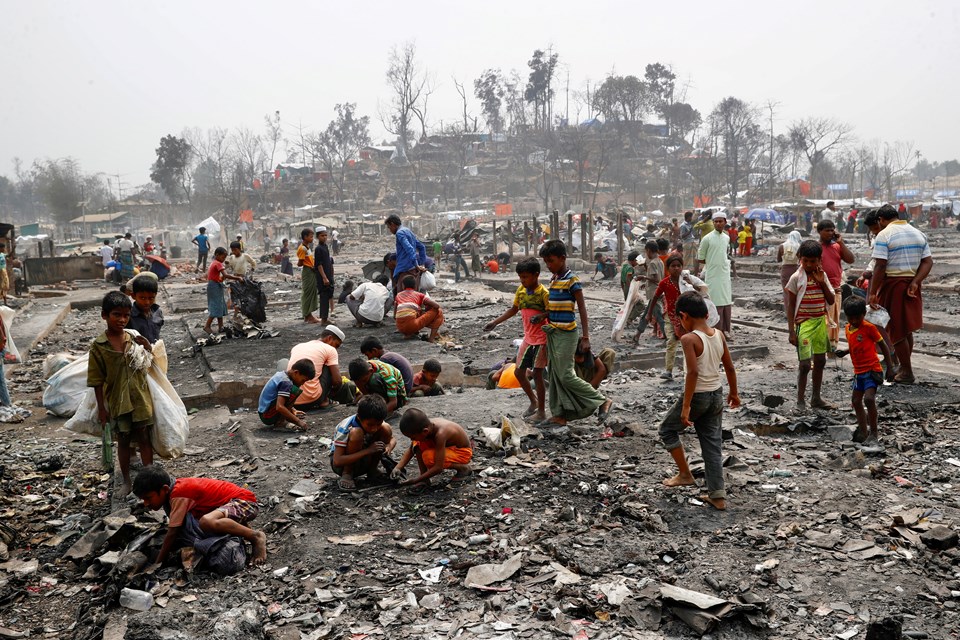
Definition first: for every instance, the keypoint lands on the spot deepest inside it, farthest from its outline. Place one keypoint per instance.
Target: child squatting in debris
(425, 381)
(279, 394)
(570, 397)
(863, 339)
(808, 295)
(414, 311)
(530, 299)
(379, 378)
(221, 508)
(360, 442)
(438, 444)
(123, 398)
(701, 406)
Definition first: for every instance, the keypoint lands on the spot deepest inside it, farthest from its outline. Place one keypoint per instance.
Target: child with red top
(863, 339)
(414, 311)
(530, 300)
(808, 293)
(222, 508)
(216, 301)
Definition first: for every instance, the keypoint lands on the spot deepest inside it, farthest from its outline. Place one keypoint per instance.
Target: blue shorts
(868, 380)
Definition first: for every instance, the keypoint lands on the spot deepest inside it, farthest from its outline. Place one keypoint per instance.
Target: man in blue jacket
(411, 254)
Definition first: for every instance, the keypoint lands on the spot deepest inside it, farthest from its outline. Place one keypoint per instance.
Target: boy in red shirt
(863, 339)
(222, 508)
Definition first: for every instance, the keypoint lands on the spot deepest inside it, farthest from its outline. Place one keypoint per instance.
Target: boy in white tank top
(701, 406)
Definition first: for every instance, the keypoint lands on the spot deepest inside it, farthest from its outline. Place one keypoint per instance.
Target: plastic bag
(879, 316)
(11, 355)
(171, 425)
(633, 298)
(66, 388)
(428, 281)
(249, 298)
(56, 361)
(713, 316)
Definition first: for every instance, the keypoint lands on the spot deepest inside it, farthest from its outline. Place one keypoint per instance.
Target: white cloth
(373, 297)
(106, 254)
(827, 214)
(125, 245)
(239, 265)
(708, 362)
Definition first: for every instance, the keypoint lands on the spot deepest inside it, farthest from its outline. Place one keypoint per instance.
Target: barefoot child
(280, 393)
(438, 444)
(222, 508)
(701, 407)
(360, 442)
(570, 397)
(531, 301)
(808, 294)
(123, 398)
(863, 339)
(309, 297)
(216, 301)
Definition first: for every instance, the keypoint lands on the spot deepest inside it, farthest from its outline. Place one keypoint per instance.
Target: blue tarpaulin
(767, 215)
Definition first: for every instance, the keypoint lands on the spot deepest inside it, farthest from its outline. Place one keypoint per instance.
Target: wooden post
(619, 238)
(526, 239)
(583, 235)
(510, 239)
(495, 237)
(536, 230)
(570, 235)
(555, 225)
(590, 230)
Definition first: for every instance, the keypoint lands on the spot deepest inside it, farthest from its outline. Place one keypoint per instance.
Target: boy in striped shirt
(808, 293)
(571, 398)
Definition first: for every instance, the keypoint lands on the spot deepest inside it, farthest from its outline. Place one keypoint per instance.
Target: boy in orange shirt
(863, 339)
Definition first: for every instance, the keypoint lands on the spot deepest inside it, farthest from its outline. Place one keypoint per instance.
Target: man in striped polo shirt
(903, 260)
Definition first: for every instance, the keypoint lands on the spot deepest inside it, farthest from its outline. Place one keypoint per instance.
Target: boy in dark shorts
(530, 300)
(222, 508)
(438, 444)
(123, 398)
(863, 339)
(361, 442)
(279, 394)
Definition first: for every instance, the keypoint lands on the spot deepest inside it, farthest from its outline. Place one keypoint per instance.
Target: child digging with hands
(280, 394)
(701, 406)
(438, 444)
(361, 442)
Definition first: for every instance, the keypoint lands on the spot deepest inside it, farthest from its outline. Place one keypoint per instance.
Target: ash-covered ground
(822, 537)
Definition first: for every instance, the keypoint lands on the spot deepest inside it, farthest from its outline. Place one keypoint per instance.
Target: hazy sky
(103, 81)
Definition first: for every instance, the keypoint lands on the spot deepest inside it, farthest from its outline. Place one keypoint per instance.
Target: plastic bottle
(136, 600)
(478, 539)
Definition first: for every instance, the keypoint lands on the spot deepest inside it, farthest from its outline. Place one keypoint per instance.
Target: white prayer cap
(321, 229)
(335, 330)
(719, 214)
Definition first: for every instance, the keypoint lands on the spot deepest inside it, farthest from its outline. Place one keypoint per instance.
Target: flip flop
(347, 485)
(549, 423)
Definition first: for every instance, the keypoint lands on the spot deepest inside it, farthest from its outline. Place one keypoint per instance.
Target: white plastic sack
(171, 425)
(633, 298)
(212, 227)
(879, 317)
(428, 281)
(66, 388)
(56, 361)
(713, 316)
(11, 355)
